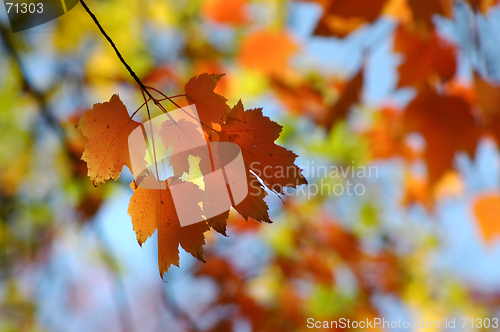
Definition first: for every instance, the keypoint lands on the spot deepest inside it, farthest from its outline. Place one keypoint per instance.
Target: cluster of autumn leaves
(108, 127)
(451, 116)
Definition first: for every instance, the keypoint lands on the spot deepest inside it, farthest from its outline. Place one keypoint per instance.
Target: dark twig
(132, 73)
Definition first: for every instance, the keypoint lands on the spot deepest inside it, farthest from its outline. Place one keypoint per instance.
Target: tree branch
(132, 73)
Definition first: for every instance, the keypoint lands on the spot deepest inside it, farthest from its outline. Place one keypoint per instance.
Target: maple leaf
(154, 208)
(424, 58)
(447, 125)
(267, 51)
(186, 139)
(487, 211)
(212, 107)
(255, 135)
(107, 126)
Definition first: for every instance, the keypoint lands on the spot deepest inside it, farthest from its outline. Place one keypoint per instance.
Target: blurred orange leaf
(340, 18)
(423, 58)
(350, 96)
(487, 211)
(447, 125)
(231, 12)
(417, 192)
(450, 185)
(386, 137)
(268, 51)
(301, 98)
(400, 10)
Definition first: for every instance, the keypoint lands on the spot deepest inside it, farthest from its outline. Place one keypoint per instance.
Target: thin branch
(140, 107)
(177, 96)
(164, 95)
(179, 107)
(132, 73)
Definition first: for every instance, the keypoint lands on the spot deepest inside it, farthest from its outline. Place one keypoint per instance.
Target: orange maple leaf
(212, 107)
(153, 209)
(272, 164)
(255, 135)
(107, 126)
(180, 135)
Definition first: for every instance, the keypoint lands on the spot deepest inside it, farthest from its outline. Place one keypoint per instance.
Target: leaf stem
(152, 136)
(140, 107)
(96, 21)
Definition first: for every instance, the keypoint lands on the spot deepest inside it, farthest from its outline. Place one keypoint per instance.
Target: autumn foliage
(108, 127)
(410, 88)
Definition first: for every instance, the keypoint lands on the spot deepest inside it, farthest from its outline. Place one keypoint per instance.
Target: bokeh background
(405, 86)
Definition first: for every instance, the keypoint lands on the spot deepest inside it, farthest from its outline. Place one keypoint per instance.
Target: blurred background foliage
(406, 86)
